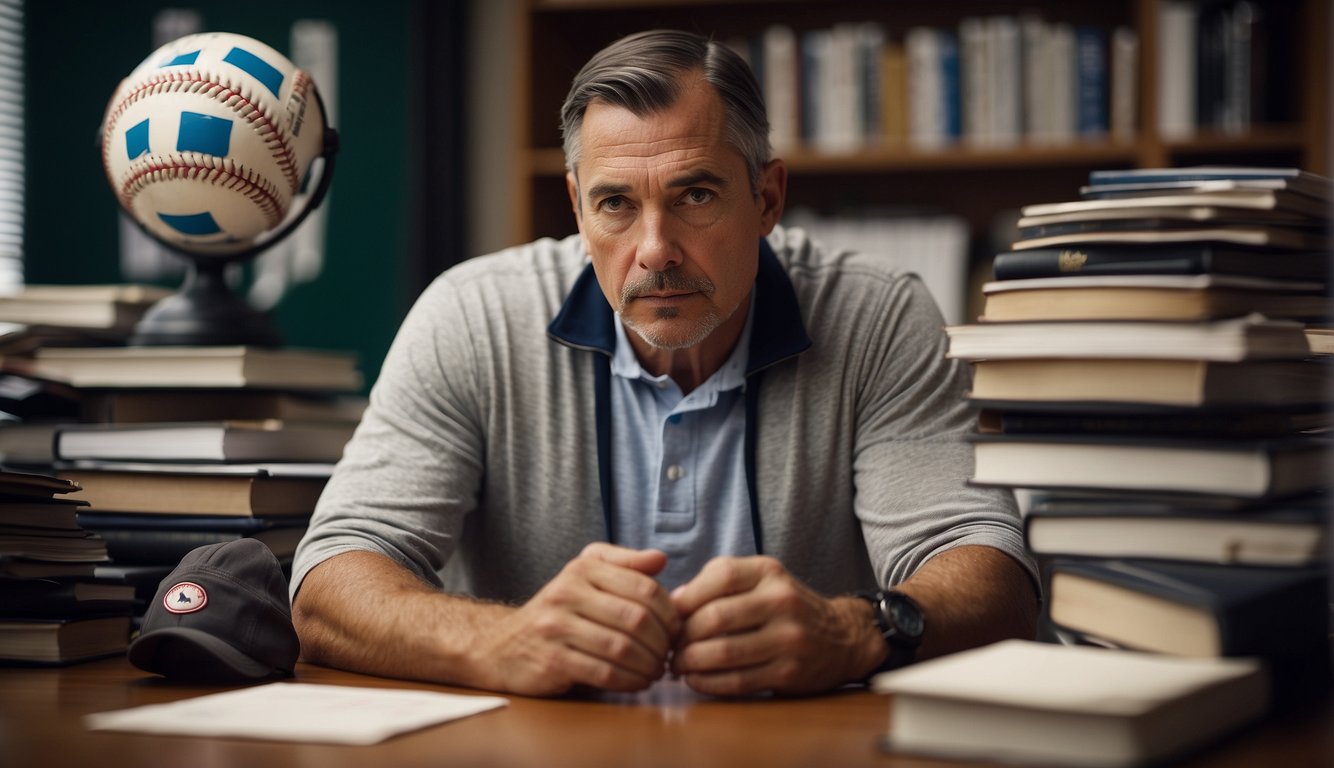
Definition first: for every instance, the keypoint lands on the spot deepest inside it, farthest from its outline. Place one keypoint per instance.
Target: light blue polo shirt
(678, 463)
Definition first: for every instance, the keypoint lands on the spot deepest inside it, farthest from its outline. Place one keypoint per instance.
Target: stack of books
(37, 316)
(174, 448)
(1142, 368)
(52, 610)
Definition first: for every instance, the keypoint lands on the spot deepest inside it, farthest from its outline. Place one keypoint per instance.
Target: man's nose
(657, 249)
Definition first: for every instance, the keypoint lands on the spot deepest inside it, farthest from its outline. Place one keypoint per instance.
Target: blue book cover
(951, 92)
(1091, 71)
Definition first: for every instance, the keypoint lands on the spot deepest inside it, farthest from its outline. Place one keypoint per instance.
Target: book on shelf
(1104, 384)
(1152, 297)
(1106, 418)
(1025, 702)
(112, 307)
(1193, 609)
(1150, 259)
(133, 406)
(1245, 468)
(60, 641)
(134, 539)
(62, 599)
(1152, 231)
(1281, 533)
(1228, 340)
(253, 493)
(212, 367)
(224, 441)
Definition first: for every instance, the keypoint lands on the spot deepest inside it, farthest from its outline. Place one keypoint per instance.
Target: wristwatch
(899, 620)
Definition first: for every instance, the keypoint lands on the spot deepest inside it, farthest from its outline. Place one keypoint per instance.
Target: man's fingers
(641, 592)
(725, 616)
(611, 646)
(720, 577)
(647, 561)
(728, 652)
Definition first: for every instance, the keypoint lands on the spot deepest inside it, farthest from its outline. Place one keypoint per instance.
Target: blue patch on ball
(256, 67)
(136, 139)
(191, 224)
(182, 59)
(205, 134)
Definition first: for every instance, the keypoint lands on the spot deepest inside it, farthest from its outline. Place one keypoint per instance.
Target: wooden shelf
(979, 183)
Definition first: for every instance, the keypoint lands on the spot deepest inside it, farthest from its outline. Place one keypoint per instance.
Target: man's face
(669, 216)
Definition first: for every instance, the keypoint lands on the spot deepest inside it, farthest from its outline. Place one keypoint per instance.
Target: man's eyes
(698, 196)
(612, 204)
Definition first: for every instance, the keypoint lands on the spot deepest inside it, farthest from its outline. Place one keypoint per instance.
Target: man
(681, 441)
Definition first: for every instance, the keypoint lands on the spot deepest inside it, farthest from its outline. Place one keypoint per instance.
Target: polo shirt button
(675, 472)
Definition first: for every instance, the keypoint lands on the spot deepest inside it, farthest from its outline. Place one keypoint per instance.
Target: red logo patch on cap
(186, 597)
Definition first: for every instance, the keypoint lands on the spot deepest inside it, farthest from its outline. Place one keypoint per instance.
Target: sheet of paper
(298, 712)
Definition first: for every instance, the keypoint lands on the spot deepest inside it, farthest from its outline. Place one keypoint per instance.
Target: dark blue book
(1163, 259)
(1091, 80)
(1280, 615)
(951, 91)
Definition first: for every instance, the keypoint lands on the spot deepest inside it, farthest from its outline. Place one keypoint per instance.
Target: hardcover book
(257, 493)
(1253, 469)
(1099, 383)
(183, 367)
(225, 441)
(1235, 339)
(48, 598)
(1285, 533)
(147, 539)
(60, 641)
(130, 406)
(1153, 232)
(1031, 703)
(1193, 609)
(1152, 297)
(1159, 259)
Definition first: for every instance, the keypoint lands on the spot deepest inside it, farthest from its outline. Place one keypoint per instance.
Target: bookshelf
(982, 183)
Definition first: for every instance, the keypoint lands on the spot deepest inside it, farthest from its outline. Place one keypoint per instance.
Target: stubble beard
(670, 338)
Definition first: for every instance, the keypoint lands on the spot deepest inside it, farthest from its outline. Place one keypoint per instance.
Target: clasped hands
(741, 626)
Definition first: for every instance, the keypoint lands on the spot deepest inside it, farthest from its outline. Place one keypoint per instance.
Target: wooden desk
(668, 726)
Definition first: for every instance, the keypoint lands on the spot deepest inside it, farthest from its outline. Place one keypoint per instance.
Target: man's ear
(572, 187)
(772, 194)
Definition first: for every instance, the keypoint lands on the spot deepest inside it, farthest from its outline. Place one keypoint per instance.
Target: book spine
(1091, 55)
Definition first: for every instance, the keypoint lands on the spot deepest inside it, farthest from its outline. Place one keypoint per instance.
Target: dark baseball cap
(221, 616)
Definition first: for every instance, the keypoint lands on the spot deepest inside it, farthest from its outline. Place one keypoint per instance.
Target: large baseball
(207, 141)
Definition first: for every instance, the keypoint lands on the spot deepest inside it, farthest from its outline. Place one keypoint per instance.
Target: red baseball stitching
(213, 170)
(219, 89)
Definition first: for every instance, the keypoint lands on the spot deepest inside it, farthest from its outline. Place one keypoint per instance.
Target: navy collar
(585, 320)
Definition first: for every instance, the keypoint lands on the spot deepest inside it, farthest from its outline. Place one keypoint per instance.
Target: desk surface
(40, 711)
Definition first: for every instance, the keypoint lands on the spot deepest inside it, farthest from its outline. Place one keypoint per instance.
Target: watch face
(906, 617)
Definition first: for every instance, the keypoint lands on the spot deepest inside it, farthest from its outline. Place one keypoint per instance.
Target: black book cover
(1258, 611)
(1160, 260)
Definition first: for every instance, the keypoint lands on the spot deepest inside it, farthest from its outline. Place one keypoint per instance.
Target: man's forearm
(363, 612)
(971, 596)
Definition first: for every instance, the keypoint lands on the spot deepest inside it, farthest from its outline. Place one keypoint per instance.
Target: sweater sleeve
(911, 459)
(412, 470)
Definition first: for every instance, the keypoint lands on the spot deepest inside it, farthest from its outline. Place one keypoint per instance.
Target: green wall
(78, 50)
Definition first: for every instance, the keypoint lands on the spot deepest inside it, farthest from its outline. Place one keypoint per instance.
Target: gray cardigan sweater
(477, 463)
